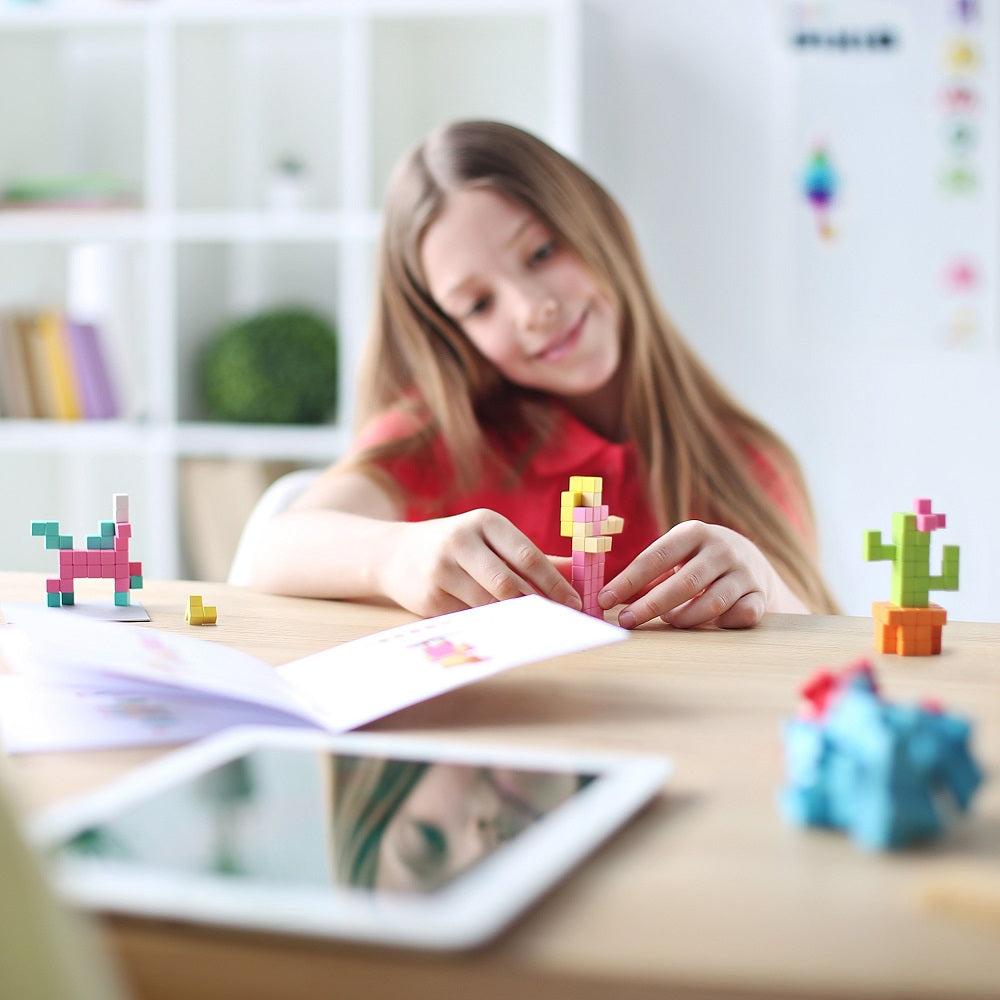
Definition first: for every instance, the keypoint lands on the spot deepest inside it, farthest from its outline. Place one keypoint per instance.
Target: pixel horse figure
(105, 557)
(910, 624)
(585, 518)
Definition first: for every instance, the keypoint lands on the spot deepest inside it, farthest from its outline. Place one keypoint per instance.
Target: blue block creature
(890, 775)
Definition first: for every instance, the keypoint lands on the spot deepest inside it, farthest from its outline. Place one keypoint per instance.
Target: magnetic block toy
(198, 613)
(909, 624)
(584, 519)
(105, 557)
(890, 775)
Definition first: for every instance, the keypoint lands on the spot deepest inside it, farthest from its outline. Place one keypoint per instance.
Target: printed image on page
(365, 679)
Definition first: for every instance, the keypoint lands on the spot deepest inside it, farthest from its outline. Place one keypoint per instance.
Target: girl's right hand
(479, 557)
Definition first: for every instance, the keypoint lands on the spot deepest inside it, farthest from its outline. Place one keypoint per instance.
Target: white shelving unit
(191, 105)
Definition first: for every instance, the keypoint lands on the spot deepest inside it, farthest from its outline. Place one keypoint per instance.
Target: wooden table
(707, 894)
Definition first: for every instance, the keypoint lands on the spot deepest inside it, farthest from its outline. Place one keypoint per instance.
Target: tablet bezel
(465, 913)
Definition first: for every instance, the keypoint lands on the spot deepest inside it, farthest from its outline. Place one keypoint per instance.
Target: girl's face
(527, 303)
(456, 815)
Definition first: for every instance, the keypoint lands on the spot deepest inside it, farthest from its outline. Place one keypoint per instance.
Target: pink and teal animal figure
(106, 557)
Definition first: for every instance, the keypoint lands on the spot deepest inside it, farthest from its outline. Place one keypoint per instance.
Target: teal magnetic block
(65, 541)
(52, 600)
(121, 598)
(69, 598)
(135, 582)
(39, 527)
(52, 542)
(51, 527)
(107, 528)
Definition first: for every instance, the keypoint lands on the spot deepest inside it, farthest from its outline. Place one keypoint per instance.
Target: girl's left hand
(698, 573)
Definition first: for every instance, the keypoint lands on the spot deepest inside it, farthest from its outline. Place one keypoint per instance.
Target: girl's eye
(544, 252)
(428, 849)
(478, 306)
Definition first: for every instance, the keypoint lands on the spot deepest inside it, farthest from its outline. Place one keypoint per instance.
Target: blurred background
(814, 186)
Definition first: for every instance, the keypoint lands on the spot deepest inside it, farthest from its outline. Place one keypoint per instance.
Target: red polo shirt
(533, 505)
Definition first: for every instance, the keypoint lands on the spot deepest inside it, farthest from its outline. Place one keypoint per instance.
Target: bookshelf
(192, 108)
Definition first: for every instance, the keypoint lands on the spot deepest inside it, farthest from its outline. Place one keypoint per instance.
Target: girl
(515, 340)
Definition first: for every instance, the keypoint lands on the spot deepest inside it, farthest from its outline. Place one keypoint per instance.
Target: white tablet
(366, 837)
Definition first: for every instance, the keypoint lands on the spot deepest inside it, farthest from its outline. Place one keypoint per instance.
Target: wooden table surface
(708, 893)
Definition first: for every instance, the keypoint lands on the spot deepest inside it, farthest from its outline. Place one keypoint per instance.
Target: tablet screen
(370, 837)
(293, 816)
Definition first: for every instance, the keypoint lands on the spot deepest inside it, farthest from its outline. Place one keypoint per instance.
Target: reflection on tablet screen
(285, 815)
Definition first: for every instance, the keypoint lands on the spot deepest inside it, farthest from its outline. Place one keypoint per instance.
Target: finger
(686, 584)
(656, 562)
(564, 564)
(526, 563)
(712, 603)
(745, 613)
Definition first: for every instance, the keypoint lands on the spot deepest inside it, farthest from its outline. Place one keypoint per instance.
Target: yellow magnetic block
(566, 529)
(592, 498)
(586, 484)
(612, 525)
(578, 543)
(597, 543)
(583, 528)
(566, 514)
(570, 498)
(197, 613)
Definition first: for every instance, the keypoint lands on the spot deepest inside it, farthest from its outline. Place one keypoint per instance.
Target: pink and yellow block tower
(584, 517)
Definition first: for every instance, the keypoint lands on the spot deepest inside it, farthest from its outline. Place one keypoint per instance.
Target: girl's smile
(527, 303)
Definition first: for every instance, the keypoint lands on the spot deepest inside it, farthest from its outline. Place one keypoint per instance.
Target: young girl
(515, 341)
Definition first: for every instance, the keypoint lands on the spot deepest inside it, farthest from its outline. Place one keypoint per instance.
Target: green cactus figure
(910, 555)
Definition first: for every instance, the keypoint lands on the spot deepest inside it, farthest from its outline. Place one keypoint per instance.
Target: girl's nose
(539, 309)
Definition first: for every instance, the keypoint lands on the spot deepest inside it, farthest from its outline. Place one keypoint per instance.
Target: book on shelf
(18, 398)
(54, 368)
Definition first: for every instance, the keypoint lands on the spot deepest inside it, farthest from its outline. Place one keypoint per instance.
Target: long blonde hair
(691, 436)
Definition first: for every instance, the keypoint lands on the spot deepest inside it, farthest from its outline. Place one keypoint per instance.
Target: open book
(78, 682)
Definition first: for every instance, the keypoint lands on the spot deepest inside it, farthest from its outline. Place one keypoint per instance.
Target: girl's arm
(344, 539)
(698, 573)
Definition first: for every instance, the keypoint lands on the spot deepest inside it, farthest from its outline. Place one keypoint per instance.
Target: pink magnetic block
(79, 558)
(929, 522)
(121, 584)
(52, 586)
(123, 529)
(583, 513)
(602, 512)
(121, 545)
(108, 572)
(65, 558)
(921, 506)
(107, 557)
(135, 569)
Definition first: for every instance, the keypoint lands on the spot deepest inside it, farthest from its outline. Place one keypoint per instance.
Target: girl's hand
(698, 573)
(447, 564)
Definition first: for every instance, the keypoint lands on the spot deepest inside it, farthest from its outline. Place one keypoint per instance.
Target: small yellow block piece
(570, 498)
(198, 614)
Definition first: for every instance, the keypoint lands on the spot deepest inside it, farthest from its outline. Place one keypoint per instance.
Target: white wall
(680, 122)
